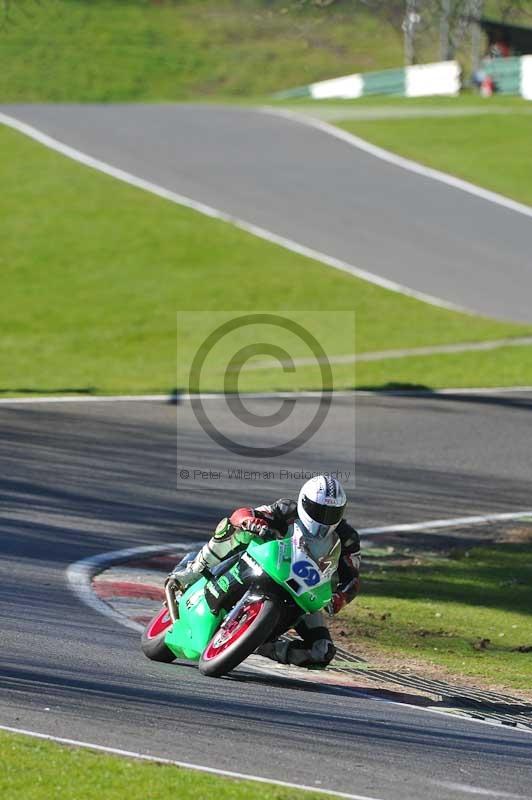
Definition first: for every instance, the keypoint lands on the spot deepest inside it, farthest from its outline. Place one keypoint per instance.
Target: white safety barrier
(442, 78)
(347, 88)
(421, 80)
(526, 77)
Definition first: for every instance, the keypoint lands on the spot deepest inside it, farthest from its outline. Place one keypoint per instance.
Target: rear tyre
(246, 627)
(152, 640)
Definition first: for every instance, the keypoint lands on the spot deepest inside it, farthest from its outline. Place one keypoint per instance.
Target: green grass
(93, 272)
(100, 50)
(506, 366)
(492, 151)
(467, 98)
(439, 609)
(39, 770)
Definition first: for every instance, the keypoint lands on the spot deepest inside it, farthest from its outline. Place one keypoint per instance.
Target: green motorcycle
(249, 599)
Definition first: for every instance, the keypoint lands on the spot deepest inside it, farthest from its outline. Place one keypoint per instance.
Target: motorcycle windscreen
(291, 566)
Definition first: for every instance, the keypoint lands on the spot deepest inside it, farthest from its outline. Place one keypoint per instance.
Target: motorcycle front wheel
(152, 641)
(247, 626)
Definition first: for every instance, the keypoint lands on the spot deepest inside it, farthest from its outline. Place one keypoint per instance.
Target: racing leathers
(233, 534)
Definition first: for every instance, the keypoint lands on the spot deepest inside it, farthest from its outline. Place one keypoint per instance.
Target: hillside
(87, 50)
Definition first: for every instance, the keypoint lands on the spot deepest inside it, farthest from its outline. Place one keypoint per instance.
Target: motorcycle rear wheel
(246, 627)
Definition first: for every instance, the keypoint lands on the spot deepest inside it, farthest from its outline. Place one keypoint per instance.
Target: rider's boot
(315, 649)
(189, 570)
(294, 652)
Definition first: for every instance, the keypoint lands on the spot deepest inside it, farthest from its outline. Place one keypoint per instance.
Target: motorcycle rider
(319, 509)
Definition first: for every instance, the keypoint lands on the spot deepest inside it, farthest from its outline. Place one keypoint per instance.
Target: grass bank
(105, 50)
(469, 613)
(93, 272)
(40, 770)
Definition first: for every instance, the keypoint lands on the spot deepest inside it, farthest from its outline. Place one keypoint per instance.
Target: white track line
(184, 764)
(466, 789)
(185, 397)
(447, 523)
(210, 211)
(80, 574)
(80, 398)
(399, 161)
(385, 355)
(472, 390)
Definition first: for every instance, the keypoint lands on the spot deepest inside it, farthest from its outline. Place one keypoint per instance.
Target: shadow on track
(421, 392)
(282, 716)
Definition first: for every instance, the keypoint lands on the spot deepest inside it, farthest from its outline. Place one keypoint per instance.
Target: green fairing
(194, 629)
(275, 558)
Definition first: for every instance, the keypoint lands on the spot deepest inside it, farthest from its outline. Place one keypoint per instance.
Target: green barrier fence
(389, 81)
(506, 72)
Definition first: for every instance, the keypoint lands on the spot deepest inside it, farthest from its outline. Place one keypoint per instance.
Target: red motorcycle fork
(234, 630)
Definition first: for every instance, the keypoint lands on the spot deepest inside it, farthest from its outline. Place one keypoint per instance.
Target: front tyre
(246, 627)
(152, 641)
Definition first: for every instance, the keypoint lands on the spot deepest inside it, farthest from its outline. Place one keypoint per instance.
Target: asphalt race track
(305, 185)
(84, 478)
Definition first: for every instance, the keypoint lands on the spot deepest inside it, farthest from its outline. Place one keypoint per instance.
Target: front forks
(170, 588)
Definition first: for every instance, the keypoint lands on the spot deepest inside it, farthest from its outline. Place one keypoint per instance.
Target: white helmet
(320, 505)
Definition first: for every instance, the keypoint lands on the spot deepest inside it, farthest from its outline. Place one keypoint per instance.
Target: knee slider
(322, 651)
